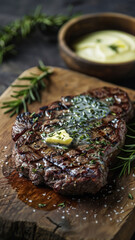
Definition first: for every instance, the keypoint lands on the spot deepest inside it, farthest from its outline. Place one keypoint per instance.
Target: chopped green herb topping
(63, 147)
(32, 114)
(30, 132)
(101, 153)
(110, 101)
(93, 162)
(35, 119)
(130, 196)
(43, 135)
(83, 114)
(61, 205)
(41, 205)
(41, 166)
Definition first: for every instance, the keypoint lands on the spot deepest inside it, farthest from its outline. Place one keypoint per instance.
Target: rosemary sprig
(127, 155)
(19, 29)
(29, 92)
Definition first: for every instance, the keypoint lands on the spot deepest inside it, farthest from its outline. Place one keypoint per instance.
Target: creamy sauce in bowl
(108, 46)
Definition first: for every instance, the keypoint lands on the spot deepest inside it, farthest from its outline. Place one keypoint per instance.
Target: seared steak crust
(79, 169)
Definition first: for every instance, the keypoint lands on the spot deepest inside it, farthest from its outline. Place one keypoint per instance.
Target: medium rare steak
(70, 144)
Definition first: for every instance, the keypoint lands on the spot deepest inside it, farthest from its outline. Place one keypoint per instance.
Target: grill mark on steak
(78, 170)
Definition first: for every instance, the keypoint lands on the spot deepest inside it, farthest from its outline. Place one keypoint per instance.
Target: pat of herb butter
(59, 137)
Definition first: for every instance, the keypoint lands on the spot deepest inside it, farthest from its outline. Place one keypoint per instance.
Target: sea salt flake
(109, 192)
(122, 211)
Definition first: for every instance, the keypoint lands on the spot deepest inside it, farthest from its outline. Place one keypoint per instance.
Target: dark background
(38, 46)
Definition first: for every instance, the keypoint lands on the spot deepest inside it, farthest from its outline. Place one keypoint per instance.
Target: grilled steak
(96, 123)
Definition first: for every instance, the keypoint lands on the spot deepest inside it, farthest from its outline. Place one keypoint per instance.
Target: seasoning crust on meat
(70, 144)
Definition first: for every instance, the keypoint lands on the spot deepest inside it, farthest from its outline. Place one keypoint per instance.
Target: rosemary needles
(127, 155)
(21, 28)
(28, 93)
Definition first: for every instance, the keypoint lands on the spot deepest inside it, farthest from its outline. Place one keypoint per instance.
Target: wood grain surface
(107, 215)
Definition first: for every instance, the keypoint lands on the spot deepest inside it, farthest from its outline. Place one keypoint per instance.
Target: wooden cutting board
(108, 215)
